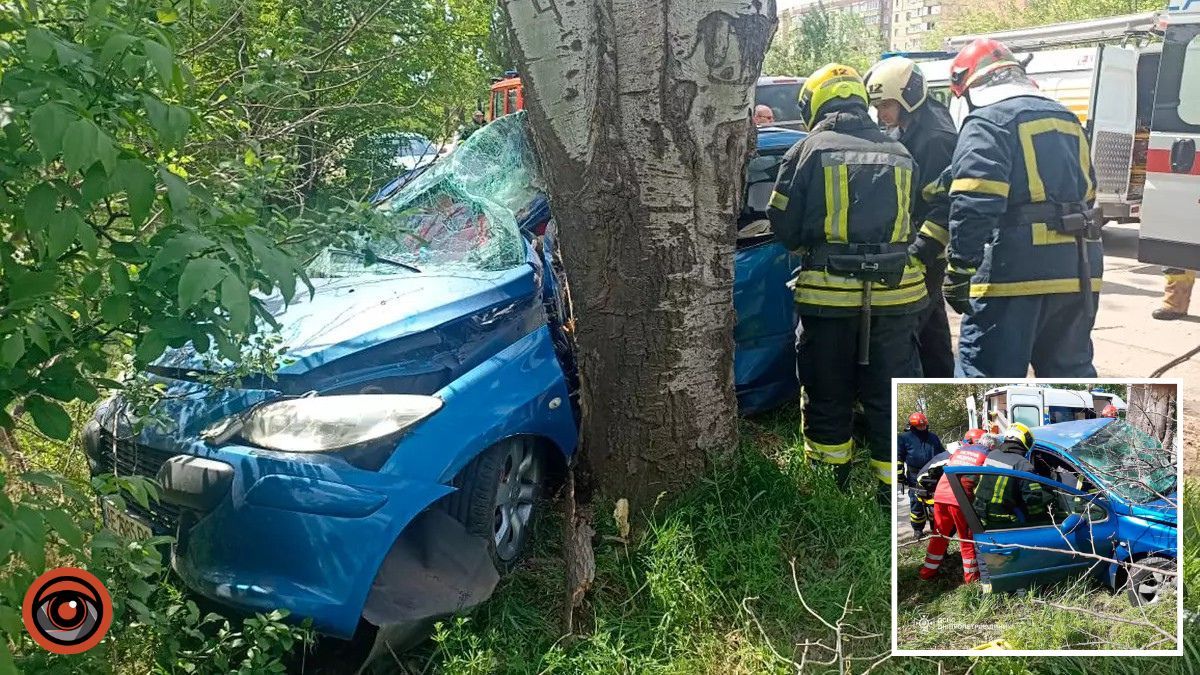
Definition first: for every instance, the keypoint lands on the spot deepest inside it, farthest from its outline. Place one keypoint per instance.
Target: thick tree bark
(1153, 409)
(639, 111)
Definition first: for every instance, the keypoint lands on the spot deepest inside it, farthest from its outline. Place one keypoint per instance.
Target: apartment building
(874, 12)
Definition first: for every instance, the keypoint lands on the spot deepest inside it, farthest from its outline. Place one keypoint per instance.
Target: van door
(1111, 126)
(1026, 407)
(1169, 235)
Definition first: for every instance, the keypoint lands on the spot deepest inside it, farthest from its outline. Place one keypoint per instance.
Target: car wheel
(1146, 586)
(497, 498)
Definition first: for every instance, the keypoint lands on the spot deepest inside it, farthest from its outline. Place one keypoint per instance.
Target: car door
(1039, 549)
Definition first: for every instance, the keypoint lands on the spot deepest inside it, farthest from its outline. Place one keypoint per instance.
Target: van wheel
(497, 498)
(1146, 586)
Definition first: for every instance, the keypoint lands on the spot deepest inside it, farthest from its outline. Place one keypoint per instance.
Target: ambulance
(1138, 96)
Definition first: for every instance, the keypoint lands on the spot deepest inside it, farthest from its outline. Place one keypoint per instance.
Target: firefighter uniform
(1001, 501)
(842, 199)
(915, 448)
(1023, 232)
(948, 518)
(1177, 293)
(930, 138)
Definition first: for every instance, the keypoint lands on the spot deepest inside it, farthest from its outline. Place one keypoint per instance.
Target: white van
(1035, 406)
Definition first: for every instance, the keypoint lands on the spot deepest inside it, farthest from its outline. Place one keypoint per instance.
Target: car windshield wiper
(371, 257)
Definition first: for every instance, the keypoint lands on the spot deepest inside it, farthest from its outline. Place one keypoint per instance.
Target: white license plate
(123, 524)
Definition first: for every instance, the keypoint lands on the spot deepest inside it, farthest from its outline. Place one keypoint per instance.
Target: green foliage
(821, 36)
(1008, 14)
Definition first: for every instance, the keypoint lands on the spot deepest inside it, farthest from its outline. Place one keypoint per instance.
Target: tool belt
(1071, 218)
(877, 263)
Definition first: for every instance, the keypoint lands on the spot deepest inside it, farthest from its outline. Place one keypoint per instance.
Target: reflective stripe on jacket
(847, 182)
(1019, 151)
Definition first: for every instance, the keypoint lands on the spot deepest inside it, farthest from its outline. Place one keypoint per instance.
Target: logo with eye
(67, 610)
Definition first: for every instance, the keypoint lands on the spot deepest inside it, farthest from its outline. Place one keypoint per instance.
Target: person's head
(973, 436)
(896, 87)
(763, 115)
(832, 87)
(1110, 410)
(986, 72)
(917, 421)
(1020, 433)
(477, 116)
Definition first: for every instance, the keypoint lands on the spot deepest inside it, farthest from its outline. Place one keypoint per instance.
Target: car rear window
(782, 98)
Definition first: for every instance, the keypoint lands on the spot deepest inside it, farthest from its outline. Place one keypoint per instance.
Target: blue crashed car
(1111, 492)
(427, 394)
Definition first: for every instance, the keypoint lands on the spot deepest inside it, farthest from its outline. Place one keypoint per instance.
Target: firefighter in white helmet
(897, 89)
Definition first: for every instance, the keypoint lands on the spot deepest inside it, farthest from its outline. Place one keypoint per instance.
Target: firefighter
(1110, 410)
(1177, 294)
(842, 200)
(477, 122)
(914, 449)
(1004, 502)
(898, 91)
(1025, 257)
(948, 518)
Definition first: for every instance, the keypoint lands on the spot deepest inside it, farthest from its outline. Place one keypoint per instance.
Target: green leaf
(38, 337)
(90, 283)
(236, 300)
(49, 417)
(30, 285)
(88, 240)
(178, 191)
(115, 309)
(13, 348)
(40, 205)
(106, 152)
(118, 276)
(150, 346)
(64, 228)
(181, 246)
(40, 43)
(200, 276)
(167, 15)
(163, 60)
(95, 185)
(79, 145)
(47, 124)
(138, 182)
(66, 528)
(114, 46)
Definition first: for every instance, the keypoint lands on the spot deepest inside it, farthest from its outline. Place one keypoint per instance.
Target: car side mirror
(1071, 523)
(1183, 155)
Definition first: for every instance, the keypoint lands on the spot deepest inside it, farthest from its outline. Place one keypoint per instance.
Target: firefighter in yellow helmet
(1002, 501)
(842, 199)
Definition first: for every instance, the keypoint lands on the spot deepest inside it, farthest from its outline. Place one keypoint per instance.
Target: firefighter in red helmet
(1110, 410)
(914, 449)
(1024, 236)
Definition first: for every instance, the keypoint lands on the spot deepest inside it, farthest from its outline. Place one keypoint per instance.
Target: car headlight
(325, 423)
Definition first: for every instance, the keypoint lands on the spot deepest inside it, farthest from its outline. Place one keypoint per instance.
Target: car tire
(498, 498)
(1145, 586)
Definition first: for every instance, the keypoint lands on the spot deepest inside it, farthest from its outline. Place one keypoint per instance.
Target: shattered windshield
(459, 213)
(1129, 462)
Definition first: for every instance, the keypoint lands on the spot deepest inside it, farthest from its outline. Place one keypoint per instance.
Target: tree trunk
(1152, 408)
(640, 115)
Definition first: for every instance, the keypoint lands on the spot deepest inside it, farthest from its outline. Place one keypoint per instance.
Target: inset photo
(1037, 517)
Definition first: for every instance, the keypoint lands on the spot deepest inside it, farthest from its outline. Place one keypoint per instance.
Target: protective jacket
(915, 448)
(1021, 165)
(965, 455)
(1002, 501)
(845, 192)
(930, 138)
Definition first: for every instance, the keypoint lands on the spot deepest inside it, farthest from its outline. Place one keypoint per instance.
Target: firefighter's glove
(926, 250)
(957, 289)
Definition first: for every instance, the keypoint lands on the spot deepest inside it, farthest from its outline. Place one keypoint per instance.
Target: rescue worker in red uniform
(1025, 258)
(842, 200)
(914, 449)
(948, 519)
(923, 125)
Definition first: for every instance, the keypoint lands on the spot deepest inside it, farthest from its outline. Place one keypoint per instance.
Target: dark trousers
(918, 515)
(933, 331)
(827, 365)
(1004, 336)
